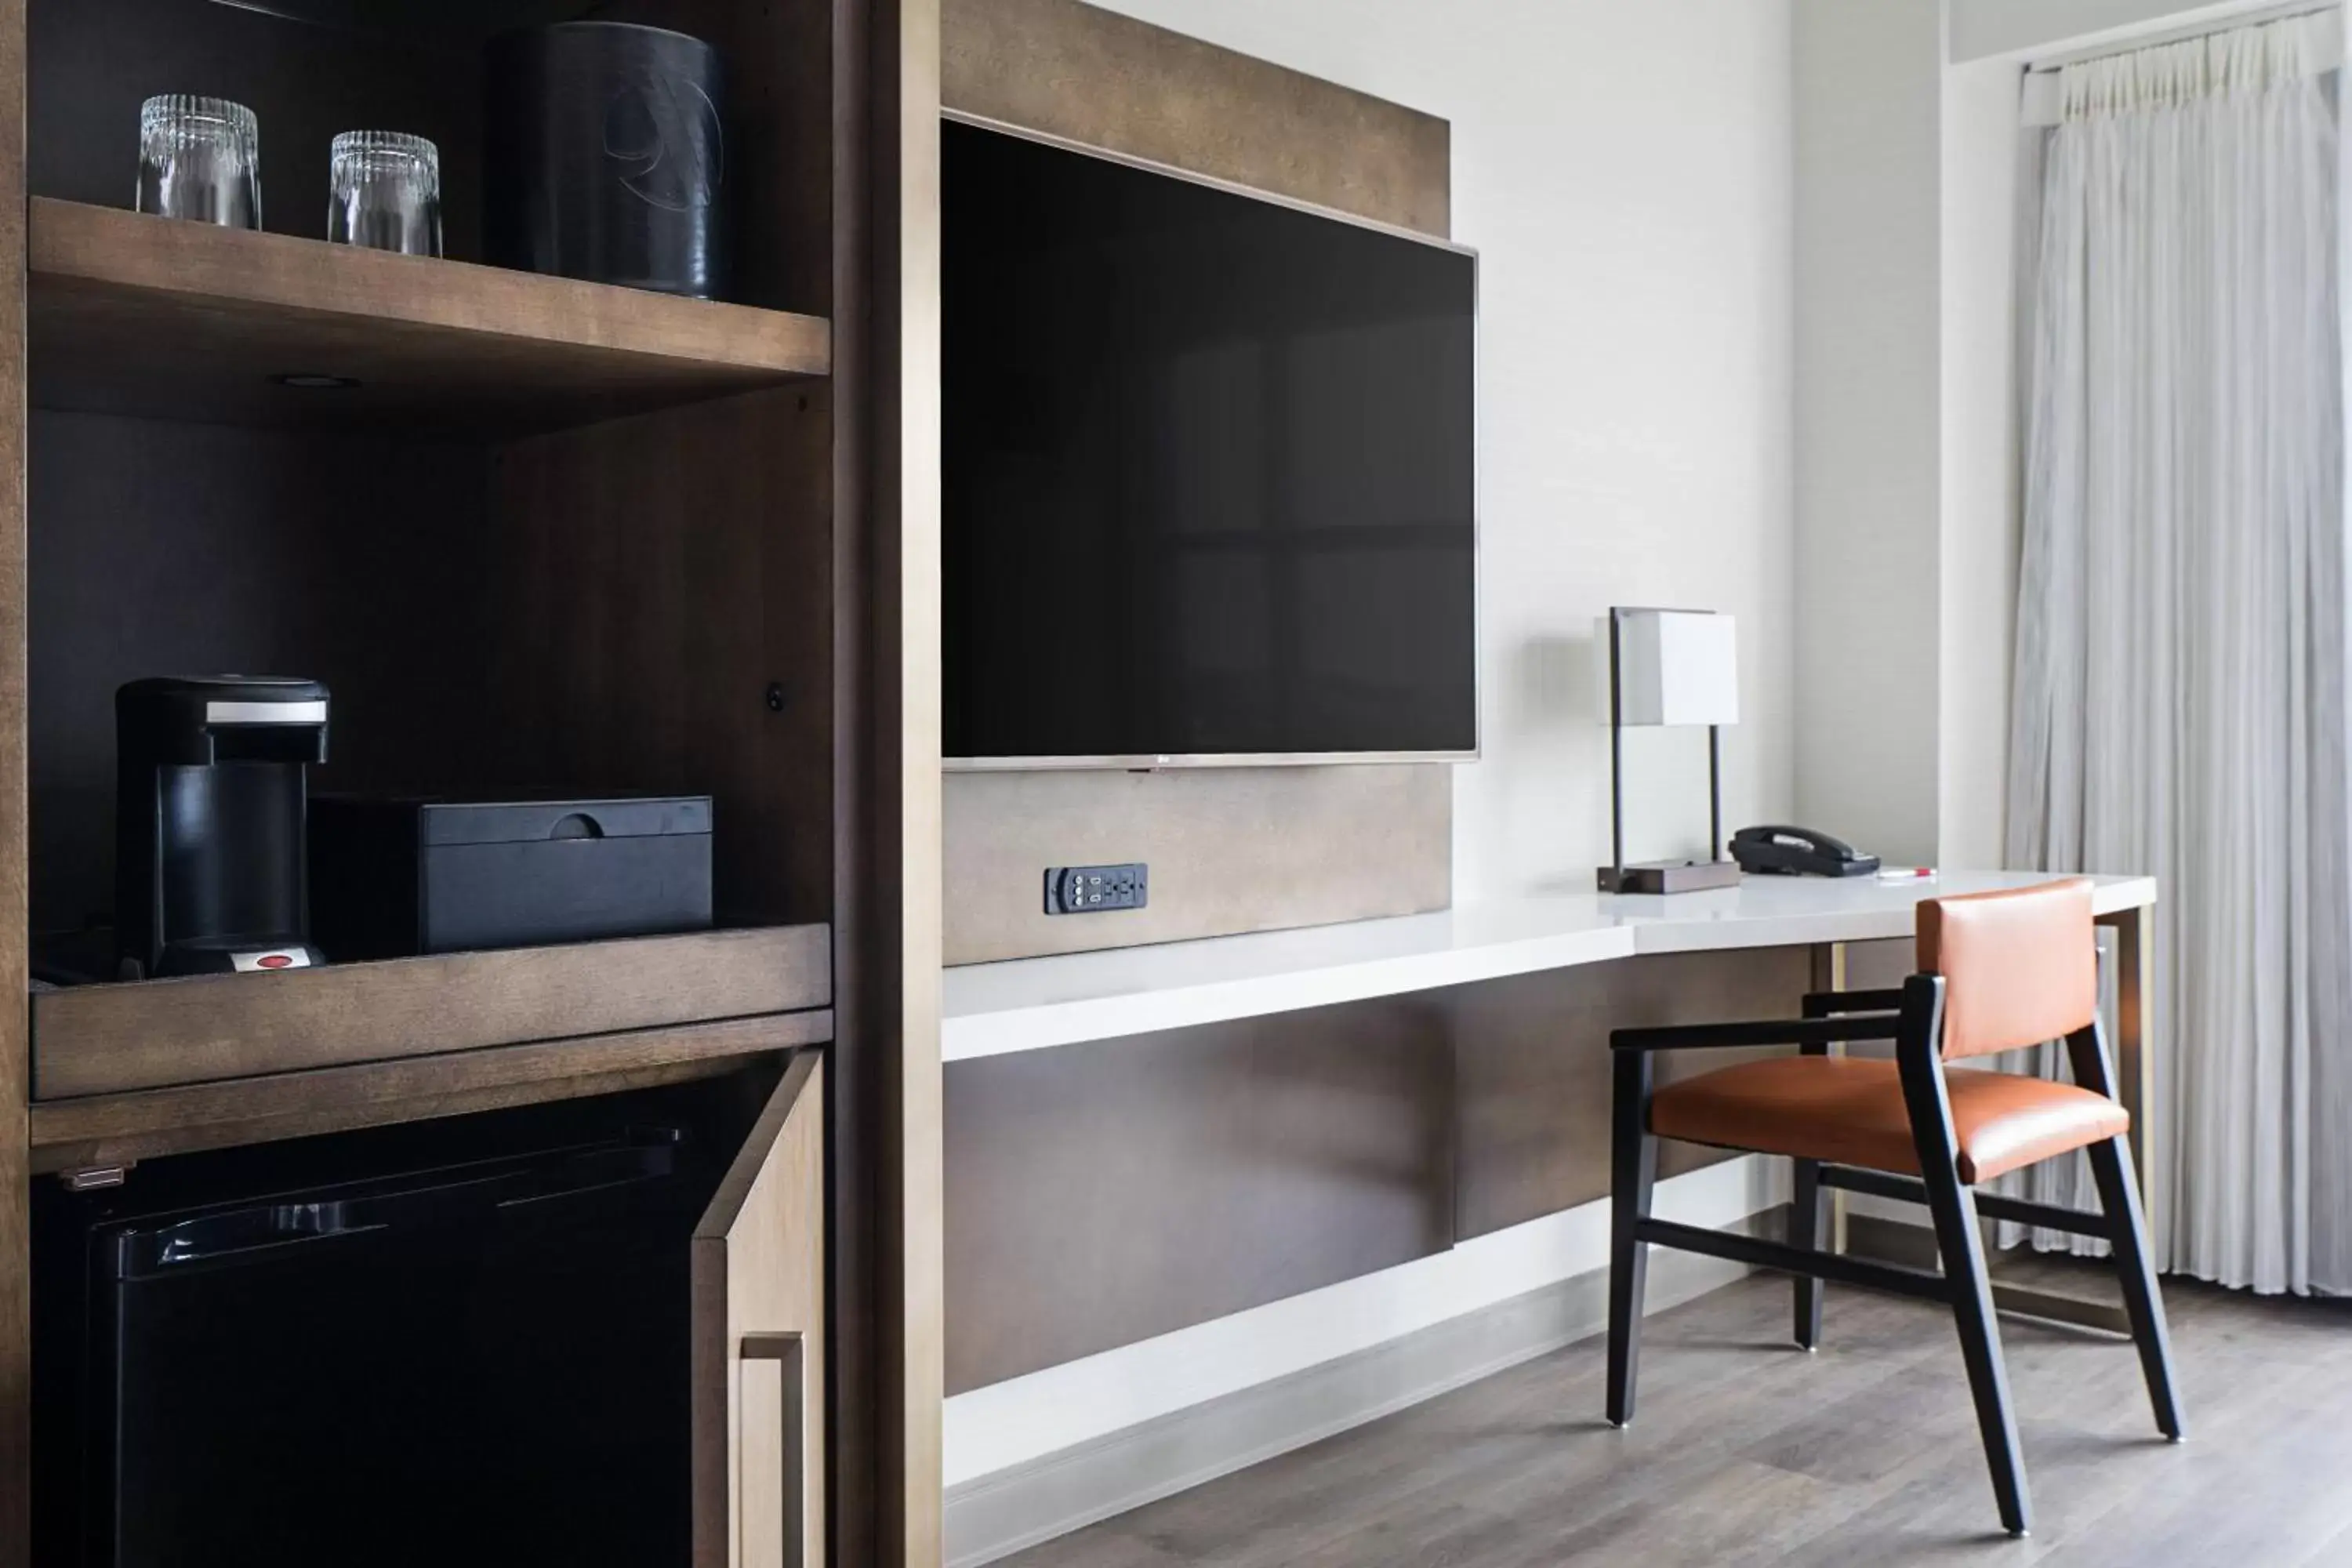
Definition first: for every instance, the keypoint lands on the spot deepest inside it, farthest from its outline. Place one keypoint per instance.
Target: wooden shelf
(93, 1040)
(135, 314)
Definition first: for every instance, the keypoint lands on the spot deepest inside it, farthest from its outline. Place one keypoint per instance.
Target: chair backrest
(2019, 967)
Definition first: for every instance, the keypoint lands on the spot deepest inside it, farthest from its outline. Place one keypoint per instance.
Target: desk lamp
(1670, 667)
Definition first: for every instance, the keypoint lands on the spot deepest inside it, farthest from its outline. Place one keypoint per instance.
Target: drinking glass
(385, 192)
(200, 158)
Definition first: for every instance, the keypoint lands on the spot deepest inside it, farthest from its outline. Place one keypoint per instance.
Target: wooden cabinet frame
(869, 1111)
(15, 1022)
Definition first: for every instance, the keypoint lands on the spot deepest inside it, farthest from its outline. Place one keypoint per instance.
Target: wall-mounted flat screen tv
(1207, 471)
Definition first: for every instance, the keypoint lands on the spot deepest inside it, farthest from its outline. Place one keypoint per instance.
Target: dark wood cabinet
(539, 532)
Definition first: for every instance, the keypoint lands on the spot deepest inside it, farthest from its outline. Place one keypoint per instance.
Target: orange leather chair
(1997, 970)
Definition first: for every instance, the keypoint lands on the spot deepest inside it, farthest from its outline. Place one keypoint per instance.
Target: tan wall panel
(1532, 1069)
(1879, 965)
(1108, 80)
(1230, 849)
(1107, 1193)
(1245, 849)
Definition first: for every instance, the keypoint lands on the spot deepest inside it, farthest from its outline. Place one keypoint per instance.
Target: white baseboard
(995, 1515)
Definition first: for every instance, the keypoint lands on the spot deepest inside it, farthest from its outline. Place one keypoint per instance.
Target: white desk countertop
(1032, 1003)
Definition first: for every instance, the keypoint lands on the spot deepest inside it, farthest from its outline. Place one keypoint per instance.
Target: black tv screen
(1207, 470)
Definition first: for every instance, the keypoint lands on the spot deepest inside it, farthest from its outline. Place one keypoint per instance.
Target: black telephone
(1798, 852)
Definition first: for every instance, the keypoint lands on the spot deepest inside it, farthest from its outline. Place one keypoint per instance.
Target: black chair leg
(1805, 1231)
(1805, 1213)
(1633, 1165)
(2111, 1164)
(1962, 1246)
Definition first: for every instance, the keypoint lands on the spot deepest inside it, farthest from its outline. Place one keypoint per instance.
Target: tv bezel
(1148, 762)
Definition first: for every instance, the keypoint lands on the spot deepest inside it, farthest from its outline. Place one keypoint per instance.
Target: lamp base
(1670, 877)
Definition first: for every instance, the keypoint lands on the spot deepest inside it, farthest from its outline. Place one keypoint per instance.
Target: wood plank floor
(1745, 1450)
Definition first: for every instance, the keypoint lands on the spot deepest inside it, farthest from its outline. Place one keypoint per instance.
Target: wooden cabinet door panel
(759, 1342)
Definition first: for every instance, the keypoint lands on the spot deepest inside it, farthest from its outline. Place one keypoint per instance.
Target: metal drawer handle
(786, 1351)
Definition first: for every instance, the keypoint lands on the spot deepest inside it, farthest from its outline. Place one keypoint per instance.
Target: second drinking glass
(385, 192)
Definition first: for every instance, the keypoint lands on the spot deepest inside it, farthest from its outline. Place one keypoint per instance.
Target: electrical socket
(1097, 889)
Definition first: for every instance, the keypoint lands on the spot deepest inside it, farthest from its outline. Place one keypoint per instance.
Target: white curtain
(2179, 701)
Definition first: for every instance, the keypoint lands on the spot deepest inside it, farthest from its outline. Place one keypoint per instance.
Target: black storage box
(395, 877)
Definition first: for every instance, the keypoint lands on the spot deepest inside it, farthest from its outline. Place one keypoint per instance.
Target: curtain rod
(2209, 29)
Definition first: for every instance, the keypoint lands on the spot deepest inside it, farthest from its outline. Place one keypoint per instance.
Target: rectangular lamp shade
(1674, 667)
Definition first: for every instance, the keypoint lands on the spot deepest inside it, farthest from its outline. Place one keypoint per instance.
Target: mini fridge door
(758, 1352)
(390, 1372)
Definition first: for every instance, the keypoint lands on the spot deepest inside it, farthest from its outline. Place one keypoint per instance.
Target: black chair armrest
(1768, 1032)
(1835, 1002)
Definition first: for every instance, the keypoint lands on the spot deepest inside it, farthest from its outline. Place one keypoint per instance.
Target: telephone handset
(1798, 852)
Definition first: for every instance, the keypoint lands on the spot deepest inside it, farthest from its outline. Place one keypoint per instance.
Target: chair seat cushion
(1849, 1110)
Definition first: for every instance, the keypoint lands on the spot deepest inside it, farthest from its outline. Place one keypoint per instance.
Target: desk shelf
(1032, 1003)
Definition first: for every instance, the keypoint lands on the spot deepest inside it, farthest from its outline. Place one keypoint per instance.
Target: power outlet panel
(1095, 890)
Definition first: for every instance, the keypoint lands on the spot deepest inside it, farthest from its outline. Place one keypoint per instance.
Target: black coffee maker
(211, 797)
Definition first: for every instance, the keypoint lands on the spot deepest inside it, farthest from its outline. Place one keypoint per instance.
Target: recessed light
(311, 381)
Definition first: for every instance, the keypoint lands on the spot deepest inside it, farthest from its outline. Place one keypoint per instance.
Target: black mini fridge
(478, 1360)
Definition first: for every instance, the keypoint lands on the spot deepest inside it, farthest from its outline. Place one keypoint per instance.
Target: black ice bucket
(605, 157)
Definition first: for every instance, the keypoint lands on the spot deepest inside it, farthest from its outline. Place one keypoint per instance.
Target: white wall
(1868, 410)
(1981, 167)
(1624, 171)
